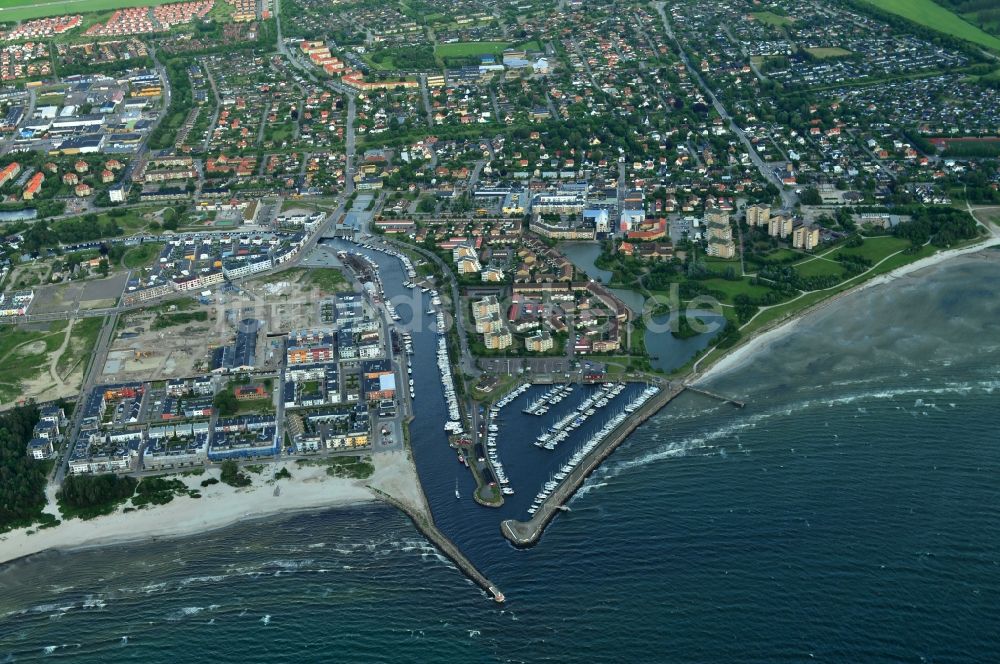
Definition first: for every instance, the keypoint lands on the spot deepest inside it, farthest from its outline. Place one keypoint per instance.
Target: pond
(18, 215)
(668, 352)
(583, 255)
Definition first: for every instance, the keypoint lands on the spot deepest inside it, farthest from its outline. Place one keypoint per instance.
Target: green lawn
(256, 406)
(772, 19)
(776, 256)
(823, 53)
(734, 288)
(466, 49)
(819, 267)
(142, 255)
(783, 310)
(932, 15)
(19, 10)
(874, 248)
(279, 132)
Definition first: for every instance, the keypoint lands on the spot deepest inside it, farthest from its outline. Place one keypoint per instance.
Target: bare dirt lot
(76, 295)
(167, 341)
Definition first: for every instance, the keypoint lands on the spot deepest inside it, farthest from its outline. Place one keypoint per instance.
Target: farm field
(932, 15)
(19, 10)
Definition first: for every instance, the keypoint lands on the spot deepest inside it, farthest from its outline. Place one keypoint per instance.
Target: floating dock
(524, 534)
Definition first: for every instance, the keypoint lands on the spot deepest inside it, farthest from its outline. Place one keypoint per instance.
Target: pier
(714, 395)
(524, 534)
(427, 528)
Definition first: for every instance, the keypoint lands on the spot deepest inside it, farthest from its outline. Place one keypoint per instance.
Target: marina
(526, 533)
(552, 396)
(592, 442)
(561, 430)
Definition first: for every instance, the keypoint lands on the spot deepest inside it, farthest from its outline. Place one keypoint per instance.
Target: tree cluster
(22, 479)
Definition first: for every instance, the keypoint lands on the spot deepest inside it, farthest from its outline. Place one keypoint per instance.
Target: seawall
(445, 546)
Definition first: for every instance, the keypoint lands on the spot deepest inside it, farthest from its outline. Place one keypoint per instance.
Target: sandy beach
(766, 337)
(220, 505)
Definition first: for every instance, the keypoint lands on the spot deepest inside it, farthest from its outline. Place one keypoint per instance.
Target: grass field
(81, 343)
(819, 267)
(932, 15)
(874, 248)
(19, 10)
(823, 53)
(467, 49)
(733, 288)
(328, 279)
(142, 255)
(772, 19)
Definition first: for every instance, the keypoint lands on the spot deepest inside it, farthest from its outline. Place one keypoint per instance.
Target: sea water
(848, 513)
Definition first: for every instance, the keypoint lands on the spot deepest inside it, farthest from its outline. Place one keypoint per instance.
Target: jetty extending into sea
(427, 528)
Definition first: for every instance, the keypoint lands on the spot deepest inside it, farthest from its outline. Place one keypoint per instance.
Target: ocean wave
(188, 611)
(48, 650)
(210, 578)
(709, 440)
(290, 564)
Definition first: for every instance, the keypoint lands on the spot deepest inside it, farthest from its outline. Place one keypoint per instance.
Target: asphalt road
(788, 197)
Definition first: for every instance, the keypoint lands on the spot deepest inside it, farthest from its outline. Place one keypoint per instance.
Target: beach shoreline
(220, 506)
(770, 334)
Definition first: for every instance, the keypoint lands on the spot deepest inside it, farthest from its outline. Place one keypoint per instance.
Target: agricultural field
(19, 10)
(932, 15)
